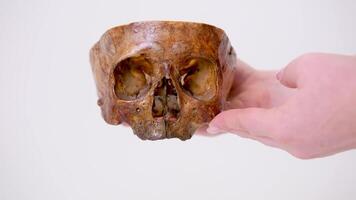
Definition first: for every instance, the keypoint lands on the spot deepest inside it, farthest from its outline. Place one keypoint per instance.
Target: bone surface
(165, 79)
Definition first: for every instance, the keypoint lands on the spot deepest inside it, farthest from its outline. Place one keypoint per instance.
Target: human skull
(164, 79)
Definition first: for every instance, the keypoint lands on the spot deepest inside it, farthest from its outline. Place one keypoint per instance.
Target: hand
(252, 88)
(317, 119)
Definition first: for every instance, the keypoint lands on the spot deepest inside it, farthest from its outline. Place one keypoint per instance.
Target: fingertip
(279, 75)
(213, 130)
(255, 121)
(223, 122)
(206, 132)
(218, 121)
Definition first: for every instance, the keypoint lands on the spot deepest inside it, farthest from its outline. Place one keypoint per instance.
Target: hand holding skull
(308, 110)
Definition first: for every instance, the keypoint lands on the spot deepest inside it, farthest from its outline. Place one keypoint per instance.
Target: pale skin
(307, 109)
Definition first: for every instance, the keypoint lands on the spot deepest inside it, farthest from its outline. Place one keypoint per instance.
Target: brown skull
(164, 79)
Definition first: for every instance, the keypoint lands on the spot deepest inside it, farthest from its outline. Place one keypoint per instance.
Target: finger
(262, 139)
(254, 121)
(201, 131)
(242, 73)
(243, 69)
(291, 74)
(266, 141)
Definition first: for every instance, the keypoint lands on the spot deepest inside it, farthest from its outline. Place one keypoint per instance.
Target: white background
(55, 145)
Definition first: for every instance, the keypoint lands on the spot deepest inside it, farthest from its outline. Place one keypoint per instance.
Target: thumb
(253, 121)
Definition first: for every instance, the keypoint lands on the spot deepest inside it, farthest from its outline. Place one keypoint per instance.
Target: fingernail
(213, 130)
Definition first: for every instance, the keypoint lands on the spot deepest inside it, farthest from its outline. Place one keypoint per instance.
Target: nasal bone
(166, 70)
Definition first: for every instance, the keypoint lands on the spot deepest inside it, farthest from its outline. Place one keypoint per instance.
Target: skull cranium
(164, 79)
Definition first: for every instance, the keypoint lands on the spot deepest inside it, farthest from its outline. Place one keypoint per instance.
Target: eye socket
(198, 78)
(132, 78)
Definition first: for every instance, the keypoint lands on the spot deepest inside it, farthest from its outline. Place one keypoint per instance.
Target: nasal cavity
(166, 103)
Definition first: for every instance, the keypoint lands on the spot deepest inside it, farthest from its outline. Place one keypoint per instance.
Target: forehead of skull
(162, 40)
